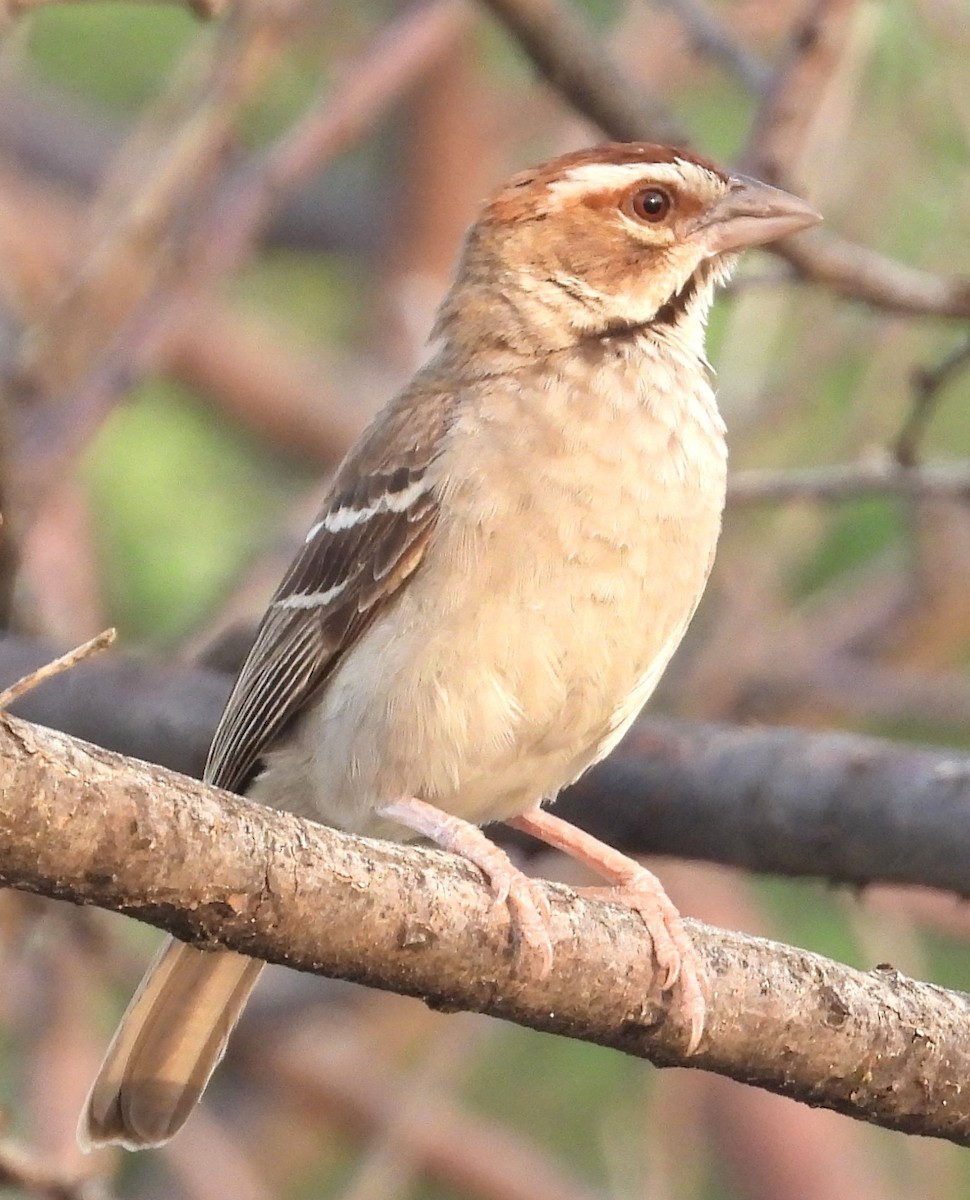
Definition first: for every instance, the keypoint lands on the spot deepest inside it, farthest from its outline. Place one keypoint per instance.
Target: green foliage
(857, 533)
(181, 503)
(718, 116)
(318, 301)
(117, 54)
(811, 914)
(572, 1088)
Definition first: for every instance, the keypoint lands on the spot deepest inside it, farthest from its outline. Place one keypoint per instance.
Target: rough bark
(83, 824)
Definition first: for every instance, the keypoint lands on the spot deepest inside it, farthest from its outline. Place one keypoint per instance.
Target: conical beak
(750, 214)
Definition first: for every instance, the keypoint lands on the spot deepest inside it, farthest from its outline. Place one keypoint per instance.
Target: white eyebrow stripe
(603, 176)
(341, 519)
(313, 599)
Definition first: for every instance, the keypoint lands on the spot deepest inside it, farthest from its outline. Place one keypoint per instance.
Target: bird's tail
(167, 1046)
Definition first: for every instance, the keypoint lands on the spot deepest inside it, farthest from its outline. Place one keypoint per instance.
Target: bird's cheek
(654, 287)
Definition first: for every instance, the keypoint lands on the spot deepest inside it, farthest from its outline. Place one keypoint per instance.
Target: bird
(503, 566)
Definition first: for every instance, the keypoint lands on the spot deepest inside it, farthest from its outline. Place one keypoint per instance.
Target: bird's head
(611, 240)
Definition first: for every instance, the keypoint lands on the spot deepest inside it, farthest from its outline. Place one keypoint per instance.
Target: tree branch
(569, 55)
(839, 806)
(58, 666)
(928, 384)
(82, 824)
(805, 69)
(33, 1177)
(711, 35)
(881, 476)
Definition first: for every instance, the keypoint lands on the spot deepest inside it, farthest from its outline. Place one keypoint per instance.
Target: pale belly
(531, 669)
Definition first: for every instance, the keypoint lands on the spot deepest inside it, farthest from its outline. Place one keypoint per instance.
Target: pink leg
(525, 897)
(635, 886)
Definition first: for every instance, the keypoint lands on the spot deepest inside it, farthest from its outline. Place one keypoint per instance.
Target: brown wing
(369, 538)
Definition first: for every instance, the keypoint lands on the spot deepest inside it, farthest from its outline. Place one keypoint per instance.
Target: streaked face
(624, 228)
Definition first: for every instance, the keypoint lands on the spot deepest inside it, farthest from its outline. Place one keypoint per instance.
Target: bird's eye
(651, 204)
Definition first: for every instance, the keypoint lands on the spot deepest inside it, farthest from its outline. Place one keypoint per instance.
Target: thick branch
(841, 806)
(85, 825)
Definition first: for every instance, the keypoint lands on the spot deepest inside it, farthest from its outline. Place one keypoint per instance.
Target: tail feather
(169, 1042)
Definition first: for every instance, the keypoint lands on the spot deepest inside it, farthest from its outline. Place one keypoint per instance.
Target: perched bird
(503, 567)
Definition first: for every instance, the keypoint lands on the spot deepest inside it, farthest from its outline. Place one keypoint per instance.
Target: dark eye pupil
(651, 204)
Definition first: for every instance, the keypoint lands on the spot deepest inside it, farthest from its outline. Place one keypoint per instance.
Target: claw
(674, 953)
(525, 898)
(634, 886)
(530, 910)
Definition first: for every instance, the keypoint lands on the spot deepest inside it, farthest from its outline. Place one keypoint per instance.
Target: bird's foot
(674, 952)
(632, 885)
(525, 898)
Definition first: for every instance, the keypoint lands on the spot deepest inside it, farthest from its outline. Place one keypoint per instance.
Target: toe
(529, 906)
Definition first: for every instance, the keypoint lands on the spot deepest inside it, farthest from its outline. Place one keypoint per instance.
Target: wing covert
(369, 538)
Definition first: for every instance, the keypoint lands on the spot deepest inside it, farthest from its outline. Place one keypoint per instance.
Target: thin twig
(814, 52)
(570, 56)
(714, 38)
(880, 477)
(928, 385)
(56, 667)
(21, 1170)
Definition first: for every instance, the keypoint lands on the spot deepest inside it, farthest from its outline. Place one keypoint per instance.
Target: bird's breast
(578, 522)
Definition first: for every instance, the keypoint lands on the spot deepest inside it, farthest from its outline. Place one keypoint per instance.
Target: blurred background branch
(20, 1171)
(878, 477)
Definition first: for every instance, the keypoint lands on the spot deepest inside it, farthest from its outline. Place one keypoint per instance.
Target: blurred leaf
(118, 54)
(182, 503)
